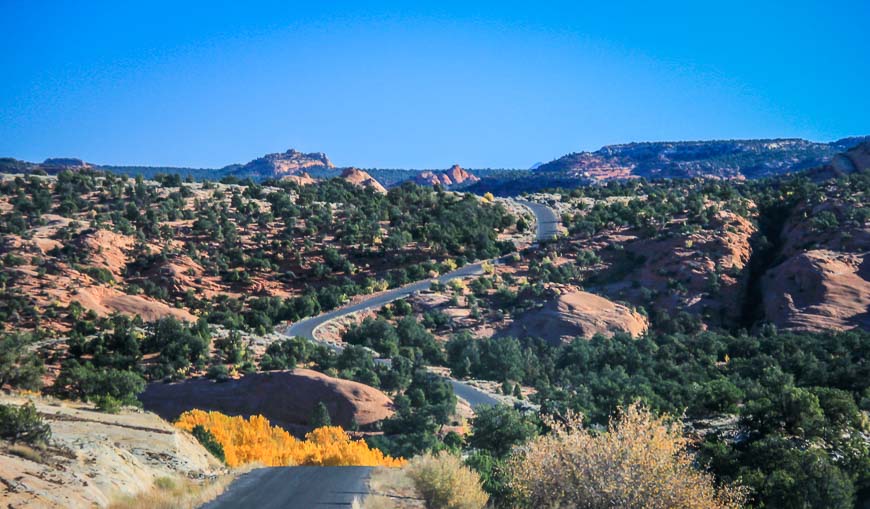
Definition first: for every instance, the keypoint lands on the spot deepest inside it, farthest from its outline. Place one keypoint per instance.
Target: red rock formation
(303, 179)
(360, 178)
(578, 313)
(455, 175)
(286, 398)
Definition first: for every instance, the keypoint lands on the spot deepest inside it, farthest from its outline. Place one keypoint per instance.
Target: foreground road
(295, 488)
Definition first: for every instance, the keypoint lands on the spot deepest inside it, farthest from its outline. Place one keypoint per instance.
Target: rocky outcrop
(286, 398)
(578, 313)
(95, 457)
(108, 250)
(821, 280)
(454, 176)
(303, 179)
(819, 290)
(360, 178)
(701, 273)
(282, 164)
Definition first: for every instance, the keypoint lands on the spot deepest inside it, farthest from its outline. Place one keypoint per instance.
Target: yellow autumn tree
(256, 440)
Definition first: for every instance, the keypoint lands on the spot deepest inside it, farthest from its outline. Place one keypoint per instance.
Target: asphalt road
(548, 221)
(306, 328)
(295, 488)
(547, 228)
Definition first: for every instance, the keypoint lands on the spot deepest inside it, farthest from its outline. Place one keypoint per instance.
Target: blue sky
(416, 85)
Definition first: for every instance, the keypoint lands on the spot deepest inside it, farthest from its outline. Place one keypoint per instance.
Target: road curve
(295, 488)
(548, 221)
(547, 228)
(306, 327)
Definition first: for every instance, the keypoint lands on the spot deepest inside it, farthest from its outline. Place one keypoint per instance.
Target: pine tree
(320, 416)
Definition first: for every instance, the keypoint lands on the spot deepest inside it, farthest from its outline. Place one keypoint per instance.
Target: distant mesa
(854, 160)
(279, 165)
(64, 163)
(360, 178)
(454, 176)
(687, 159)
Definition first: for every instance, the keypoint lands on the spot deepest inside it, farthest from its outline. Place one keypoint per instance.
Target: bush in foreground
(640, 461)
(446, 483)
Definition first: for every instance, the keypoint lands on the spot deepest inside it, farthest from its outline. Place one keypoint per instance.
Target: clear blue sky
(392, 85)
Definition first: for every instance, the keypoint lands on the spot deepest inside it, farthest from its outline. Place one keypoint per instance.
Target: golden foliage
(256, 440)
(640, 461)
(445, 482)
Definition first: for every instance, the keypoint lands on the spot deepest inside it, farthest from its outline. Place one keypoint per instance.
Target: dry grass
(392, 488)
(27, 452)
(445, 482)
(176, 493)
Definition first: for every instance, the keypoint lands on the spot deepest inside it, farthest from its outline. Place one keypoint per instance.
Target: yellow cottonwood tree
(256, 440)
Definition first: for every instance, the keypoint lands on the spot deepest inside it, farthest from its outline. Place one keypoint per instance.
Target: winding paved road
(547, 228)
(548, 221)
(295, 488)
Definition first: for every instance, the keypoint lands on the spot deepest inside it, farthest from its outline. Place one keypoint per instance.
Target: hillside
(154, 249)
(715, 255)
(719, 158)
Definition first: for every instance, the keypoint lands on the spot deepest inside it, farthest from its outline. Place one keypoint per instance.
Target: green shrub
(108, 404)
(23, 424)
(208, 441)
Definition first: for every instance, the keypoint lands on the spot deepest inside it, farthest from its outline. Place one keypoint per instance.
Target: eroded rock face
(854, 160)
(819, 290)
(578, 313)
(360, 178)
(286, 398)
